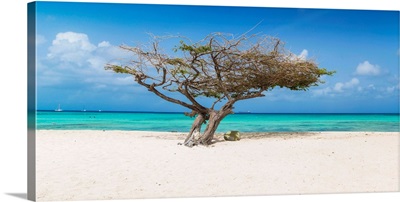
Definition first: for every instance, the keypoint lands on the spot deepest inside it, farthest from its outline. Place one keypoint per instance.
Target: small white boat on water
(58, 109)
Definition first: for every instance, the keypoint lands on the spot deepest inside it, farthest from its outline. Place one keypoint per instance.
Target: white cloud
(96, 61)
(104, 44)
(371, 86)
(367, 68)
(353, 82)
(72, 58)
(391, 89)
(340, 87)
(77, 50)
(303, 55)
(109, 52)
(324, 91)
(117, 80)
(388, 88)
(71, 47)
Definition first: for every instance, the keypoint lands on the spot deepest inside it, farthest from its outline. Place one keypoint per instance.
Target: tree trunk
(214, 119)
(193, 137)
(213, 123)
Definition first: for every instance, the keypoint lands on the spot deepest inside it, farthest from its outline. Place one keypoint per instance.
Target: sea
(243, 122)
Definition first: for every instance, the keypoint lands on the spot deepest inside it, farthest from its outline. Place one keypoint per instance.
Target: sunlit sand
(85, 165)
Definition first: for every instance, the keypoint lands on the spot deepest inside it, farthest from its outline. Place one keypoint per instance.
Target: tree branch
(169, 99)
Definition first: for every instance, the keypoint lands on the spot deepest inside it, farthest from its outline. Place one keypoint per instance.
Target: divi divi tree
(221, 67)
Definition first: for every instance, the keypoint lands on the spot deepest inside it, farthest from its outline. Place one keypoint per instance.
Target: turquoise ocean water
(251, 122)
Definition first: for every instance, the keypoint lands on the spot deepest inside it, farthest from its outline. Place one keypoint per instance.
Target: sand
(86, 165)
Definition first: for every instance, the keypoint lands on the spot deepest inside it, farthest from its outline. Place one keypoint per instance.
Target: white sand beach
(85, 165)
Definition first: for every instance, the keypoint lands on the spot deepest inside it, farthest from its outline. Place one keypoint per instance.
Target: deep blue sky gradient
(341, 40)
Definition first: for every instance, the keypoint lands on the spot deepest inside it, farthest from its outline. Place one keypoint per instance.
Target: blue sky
(75, 41)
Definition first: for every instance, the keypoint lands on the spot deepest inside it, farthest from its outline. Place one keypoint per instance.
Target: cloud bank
(380, 86)
(72, 58)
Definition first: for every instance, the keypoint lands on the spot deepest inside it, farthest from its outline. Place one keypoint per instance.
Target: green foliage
(193, 49)
(120, 69)
(323, 71)
(176, 62)
(214, 94)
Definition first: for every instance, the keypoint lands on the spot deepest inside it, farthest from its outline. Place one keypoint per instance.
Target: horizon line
(239, 112)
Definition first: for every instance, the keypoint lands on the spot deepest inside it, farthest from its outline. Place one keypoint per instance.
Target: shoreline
(219, 135)
(92, 164)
